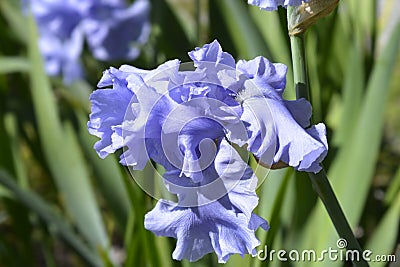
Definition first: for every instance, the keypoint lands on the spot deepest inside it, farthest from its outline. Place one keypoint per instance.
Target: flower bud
(303, 16)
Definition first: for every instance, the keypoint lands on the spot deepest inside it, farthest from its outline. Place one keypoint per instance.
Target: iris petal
(277, 126)
(225, 225)
(204, 229)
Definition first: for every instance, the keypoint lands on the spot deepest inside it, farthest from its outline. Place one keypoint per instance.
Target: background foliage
(61, 205)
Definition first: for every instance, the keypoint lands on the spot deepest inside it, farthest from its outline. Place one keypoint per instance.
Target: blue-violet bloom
(188, 121)
(112, 30)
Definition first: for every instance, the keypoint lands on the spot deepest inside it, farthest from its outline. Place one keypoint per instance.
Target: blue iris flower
(111, 29)
(192, 122)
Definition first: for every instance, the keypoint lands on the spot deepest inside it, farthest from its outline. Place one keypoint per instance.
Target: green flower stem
(325, 192)
(320, 180)
(299, 66)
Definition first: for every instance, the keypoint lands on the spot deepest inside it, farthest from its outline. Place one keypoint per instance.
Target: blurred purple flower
(270, 5)
(112, 29)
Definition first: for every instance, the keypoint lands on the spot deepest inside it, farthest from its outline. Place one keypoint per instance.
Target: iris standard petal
(193, 122)
(269, 78)
(211, 52)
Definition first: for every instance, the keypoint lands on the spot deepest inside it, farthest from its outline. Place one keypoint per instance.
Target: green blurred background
(61, 205)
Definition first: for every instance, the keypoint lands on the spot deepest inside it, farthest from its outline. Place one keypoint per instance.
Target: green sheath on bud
(303, 16)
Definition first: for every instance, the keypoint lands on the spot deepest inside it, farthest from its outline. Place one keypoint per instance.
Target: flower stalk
(299, 66)
(320, 180)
